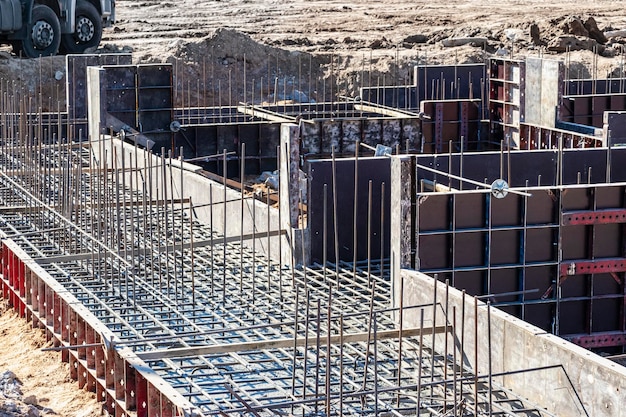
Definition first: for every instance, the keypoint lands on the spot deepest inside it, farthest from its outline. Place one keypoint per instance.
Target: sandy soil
(46, 385)
(325, 39)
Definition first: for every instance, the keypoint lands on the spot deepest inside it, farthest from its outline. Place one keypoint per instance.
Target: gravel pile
(12, 401)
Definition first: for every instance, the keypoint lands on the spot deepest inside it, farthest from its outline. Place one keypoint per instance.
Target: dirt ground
(46, 388)
(348, 43)
(228, 51)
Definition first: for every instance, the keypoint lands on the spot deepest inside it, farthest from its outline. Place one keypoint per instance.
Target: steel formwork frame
(160, 316)
(552, 255)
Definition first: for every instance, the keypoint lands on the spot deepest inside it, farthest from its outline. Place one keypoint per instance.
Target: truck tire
(88, 31)
(43, 35)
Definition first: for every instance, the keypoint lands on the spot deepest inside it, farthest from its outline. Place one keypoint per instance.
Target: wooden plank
(385, 111)
(265, 114)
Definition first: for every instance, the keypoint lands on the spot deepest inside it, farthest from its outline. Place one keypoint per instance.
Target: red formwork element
(599, 340)
(81, 352)
(141, 391)
(5, 264)
(90, 339)
(109, 380)
(41, 300)
(120, 368)
(576, 218)
(12, 278)
(167, 408)
(112, 374)
(34, 288)
(29, 293)
(21, 287)
(49, 310)
(597, 266)
(130, 378)
(100, 368)
(73, 337)
(65, 329)
(154, 401)
(57, 319)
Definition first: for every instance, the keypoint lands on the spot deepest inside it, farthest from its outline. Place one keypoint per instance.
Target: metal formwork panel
(557, 256)
(321, 175)
(76, 79)
(120, 84)
(155, 104)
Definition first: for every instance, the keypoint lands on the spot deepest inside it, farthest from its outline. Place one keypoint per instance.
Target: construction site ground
(342, 38)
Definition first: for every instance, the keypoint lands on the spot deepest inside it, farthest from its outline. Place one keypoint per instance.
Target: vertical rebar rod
(191, 250)
(382, 229)
(296, 309)
(317, 352)
(355, 207)
(476, 355)
(306, 340)
(224, 197)
(375, 362)
(269, 241)
(341, 364)
(328, 348)
(324, 230)
(280, 232)
(432, 356)
(420, 365)
(400, 335)
(303, 249)
(489, 353)
(369, 335)
(335, 223)
(242, 164)
(454, 373)
(369, 232)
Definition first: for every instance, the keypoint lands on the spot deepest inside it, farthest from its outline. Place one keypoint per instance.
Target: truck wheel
(44, 33)
(88, 32)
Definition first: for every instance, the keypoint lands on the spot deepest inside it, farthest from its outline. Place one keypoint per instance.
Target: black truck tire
(88, 32)
(43, 35)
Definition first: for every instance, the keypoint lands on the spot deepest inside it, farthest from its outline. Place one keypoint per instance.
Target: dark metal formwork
(372, 209)
(551, 252)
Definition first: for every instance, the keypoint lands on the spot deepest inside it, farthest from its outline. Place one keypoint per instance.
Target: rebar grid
(119, 241)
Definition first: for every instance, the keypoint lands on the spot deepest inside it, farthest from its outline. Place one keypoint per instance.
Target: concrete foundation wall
(576, 382)
(228, 218)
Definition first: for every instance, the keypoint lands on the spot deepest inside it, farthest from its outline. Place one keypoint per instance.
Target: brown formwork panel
(539, 315)
(574, 242)
(605, 315)
(573, 317)
(526, 242)
(542, 208)
(473, 282)
(582, 110)
(429, 251)
(434, 213)
(505, 281)
(505, 247)
(537, 281)
(599, 104)
(468, 211)
(575, 286)
(470, 249)
(606, 284)
(617, 102)
(540, 244)
(507, 211)
(609, 197)
(607, 239)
